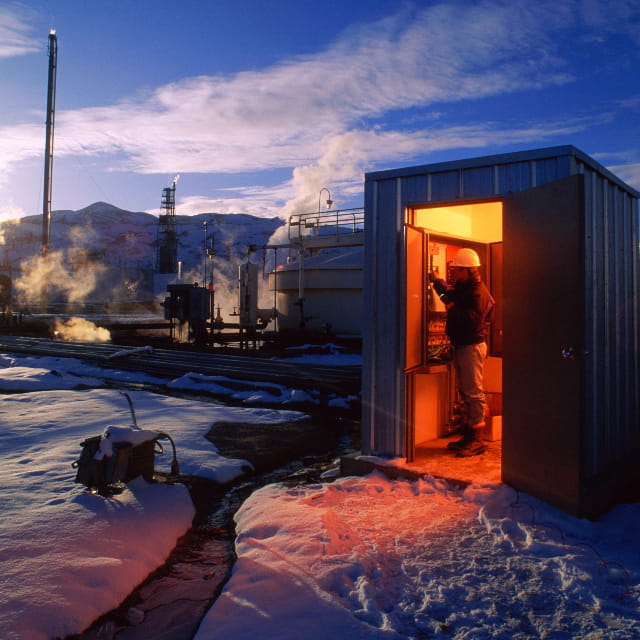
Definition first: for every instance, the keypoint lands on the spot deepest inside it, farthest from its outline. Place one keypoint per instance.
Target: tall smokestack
(48, 152)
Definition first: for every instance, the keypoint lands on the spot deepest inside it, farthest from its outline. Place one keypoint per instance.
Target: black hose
(133, 411)
(175, 468)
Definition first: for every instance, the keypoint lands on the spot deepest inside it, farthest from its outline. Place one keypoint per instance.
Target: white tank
(329, 285)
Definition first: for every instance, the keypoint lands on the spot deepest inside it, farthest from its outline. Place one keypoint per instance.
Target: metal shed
(559, 239)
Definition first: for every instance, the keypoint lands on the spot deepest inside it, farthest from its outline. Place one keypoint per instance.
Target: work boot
(467, 436)
(475, 445)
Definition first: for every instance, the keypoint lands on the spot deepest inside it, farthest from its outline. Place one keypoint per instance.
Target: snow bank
(77, 555)
(264, 393)
(67, 556)
(367, 558)
(29, 372)
(25, 378)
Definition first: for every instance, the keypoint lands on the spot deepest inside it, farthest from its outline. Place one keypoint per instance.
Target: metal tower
(167, 239)
(48, 154)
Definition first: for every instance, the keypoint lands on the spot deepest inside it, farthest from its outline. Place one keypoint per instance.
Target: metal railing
(326, 223)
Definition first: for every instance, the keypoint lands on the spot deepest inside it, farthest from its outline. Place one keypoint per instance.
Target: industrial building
(558, 238)
(314, 287)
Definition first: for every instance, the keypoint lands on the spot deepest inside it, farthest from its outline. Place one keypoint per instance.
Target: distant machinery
(187, 305)
(312, 294)
(251, 318)
(189, 309)
(321, 293)
(5, 294)
(167, 239)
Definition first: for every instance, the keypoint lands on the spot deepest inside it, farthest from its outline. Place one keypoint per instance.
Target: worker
(470, 309)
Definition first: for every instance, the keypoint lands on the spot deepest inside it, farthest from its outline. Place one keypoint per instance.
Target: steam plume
(71, 282)
(80, 329)
(341, 165)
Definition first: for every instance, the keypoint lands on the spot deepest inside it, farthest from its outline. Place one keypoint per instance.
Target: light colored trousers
(469, 366)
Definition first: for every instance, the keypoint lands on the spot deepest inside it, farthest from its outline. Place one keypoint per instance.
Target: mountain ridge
(122, 245)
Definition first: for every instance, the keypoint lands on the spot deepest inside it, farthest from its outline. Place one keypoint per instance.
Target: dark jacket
(469, 318)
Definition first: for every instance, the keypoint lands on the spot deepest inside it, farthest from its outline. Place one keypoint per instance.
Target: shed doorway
(433, 235)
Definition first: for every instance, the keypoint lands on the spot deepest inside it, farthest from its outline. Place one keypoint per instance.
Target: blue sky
(258, 105)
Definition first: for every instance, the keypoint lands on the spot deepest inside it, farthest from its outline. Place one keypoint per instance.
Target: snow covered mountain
(105, 254)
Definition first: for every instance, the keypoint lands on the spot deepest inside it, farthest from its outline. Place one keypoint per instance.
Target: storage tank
(320, 293)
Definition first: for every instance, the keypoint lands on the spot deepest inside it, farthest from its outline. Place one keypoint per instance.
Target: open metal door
(415, 333)
(415, 336)
(544, 341)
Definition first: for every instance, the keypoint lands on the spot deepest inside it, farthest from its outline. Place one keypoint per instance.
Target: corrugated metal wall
(612, 284)
(613, 341)
(383, 338)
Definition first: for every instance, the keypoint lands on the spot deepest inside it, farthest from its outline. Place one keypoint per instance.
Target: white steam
(81, 330)
(55, 274)
(340, 166)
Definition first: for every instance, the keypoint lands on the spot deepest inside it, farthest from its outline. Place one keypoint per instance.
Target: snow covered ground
(366, 558)
(67, 556)
(357, 557)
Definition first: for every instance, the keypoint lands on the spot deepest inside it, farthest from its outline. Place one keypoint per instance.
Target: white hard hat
(466, 258)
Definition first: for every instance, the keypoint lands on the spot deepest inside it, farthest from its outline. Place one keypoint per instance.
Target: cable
(175, 467)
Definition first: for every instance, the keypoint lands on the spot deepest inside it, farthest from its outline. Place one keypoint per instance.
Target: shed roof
(501, 159)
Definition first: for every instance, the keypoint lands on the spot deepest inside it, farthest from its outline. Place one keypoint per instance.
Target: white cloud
(257, 201)
(346, 157)
(14, 32)
(276, 117)
(621, 17)
(317, 112)
(630, 173)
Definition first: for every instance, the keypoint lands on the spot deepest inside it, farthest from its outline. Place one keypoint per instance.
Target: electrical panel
(439, 348)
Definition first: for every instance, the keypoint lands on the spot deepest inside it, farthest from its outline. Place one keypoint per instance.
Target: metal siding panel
(482, 161)
(478, 183)
(383, 394)
(633, 311)
(369, 329)
(611, 282)
(444, 186)
(627, 320)
(593, 328)
(624, 329)
(619, 415)
(415, 189)
(398, 284)
(611, 446)
(619, 380)
(601, 437)
(551, 169)
(633, 306)
(514, 177)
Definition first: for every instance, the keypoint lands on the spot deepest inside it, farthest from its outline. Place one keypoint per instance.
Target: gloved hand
(432, 276)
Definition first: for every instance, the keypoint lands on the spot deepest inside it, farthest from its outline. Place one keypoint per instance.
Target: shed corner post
(369, 329)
